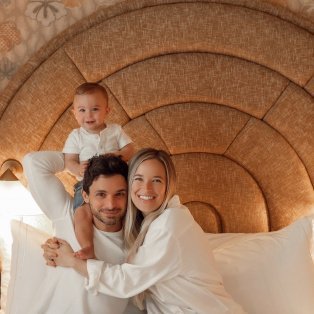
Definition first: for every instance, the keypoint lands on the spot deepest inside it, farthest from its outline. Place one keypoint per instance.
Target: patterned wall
(26, 25)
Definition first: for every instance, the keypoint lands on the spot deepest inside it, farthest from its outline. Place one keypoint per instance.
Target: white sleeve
(47, 190)
(157, 259)
(123, 139)
(71, 145)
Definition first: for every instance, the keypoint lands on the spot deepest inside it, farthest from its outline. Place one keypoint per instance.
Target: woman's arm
(158, 259)
(63, 255)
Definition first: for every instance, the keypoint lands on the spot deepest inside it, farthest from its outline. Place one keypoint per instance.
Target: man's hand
(50, 247)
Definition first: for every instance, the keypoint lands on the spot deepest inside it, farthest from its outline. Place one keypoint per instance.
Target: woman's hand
(66, 258)
(65, 254)
(58, 252)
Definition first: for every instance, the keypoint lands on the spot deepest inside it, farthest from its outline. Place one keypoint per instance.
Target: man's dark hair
(107, 165)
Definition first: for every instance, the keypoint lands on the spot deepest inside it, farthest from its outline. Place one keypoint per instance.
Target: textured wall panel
(57, 135)
(117, 113)
(310, 86)
(144, 135)
(195, 77)
(229, 188)
(206, 216)
(197, 127)
(38, 105)
(277, 169)
(293, 117)
(200, 26)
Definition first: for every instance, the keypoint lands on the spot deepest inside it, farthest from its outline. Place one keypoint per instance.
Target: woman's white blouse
(174, 264)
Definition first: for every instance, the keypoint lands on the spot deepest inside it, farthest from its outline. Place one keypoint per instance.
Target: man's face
(108, 200)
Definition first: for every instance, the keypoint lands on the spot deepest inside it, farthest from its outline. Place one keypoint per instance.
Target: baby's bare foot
(85, 253)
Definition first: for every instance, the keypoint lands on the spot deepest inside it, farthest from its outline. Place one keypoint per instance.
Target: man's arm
(47, 190)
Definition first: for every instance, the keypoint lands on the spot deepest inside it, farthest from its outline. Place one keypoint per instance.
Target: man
(105, 189)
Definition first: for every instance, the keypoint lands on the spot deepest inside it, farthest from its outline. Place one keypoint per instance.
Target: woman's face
(149, 186)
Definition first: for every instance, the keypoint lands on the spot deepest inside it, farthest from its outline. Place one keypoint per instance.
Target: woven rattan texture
(224, 86)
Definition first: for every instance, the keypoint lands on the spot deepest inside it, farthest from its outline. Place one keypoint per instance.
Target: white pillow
(34, 218)
(26, 261)
(270, 272)
(267, 273)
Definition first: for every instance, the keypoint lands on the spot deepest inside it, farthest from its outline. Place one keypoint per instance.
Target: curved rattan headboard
(226, 87)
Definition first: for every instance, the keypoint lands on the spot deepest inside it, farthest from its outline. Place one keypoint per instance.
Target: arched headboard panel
(226, 87)
(197, 77)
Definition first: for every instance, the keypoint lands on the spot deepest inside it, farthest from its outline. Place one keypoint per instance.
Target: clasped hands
(58, 252)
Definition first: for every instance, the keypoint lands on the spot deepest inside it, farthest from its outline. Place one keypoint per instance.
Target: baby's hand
(85, 253)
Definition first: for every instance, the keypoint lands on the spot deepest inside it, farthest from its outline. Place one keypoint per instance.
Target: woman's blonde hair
(136, 225)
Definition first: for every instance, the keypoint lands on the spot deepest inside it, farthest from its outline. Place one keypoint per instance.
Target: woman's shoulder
(175, 215)
(175, 207)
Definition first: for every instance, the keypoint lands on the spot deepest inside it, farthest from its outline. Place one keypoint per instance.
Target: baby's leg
(83, 225)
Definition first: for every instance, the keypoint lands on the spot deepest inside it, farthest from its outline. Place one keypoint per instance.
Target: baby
(94, 137)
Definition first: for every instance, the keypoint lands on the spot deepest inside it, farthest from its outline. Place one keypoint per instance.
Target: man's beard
(109, 221)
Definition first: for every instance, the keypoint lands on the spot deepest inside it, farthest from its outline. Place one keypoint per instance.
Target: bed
(226, 87)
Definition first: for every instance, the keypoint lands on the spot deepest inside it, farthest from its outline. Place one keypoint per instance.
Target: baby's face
(90, 111)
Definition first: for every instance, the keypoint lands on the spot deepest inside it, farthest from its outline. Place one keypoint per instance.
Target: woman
(170, 267)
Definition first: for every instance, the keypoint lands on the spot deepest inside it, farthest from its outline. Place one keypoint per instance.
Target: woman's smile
(149, 186)
(145, 197)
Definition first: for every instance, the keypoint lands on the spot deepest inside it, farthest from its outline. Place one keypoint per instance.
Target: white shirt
(62, 290)
(175, 264)
(87, 145)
